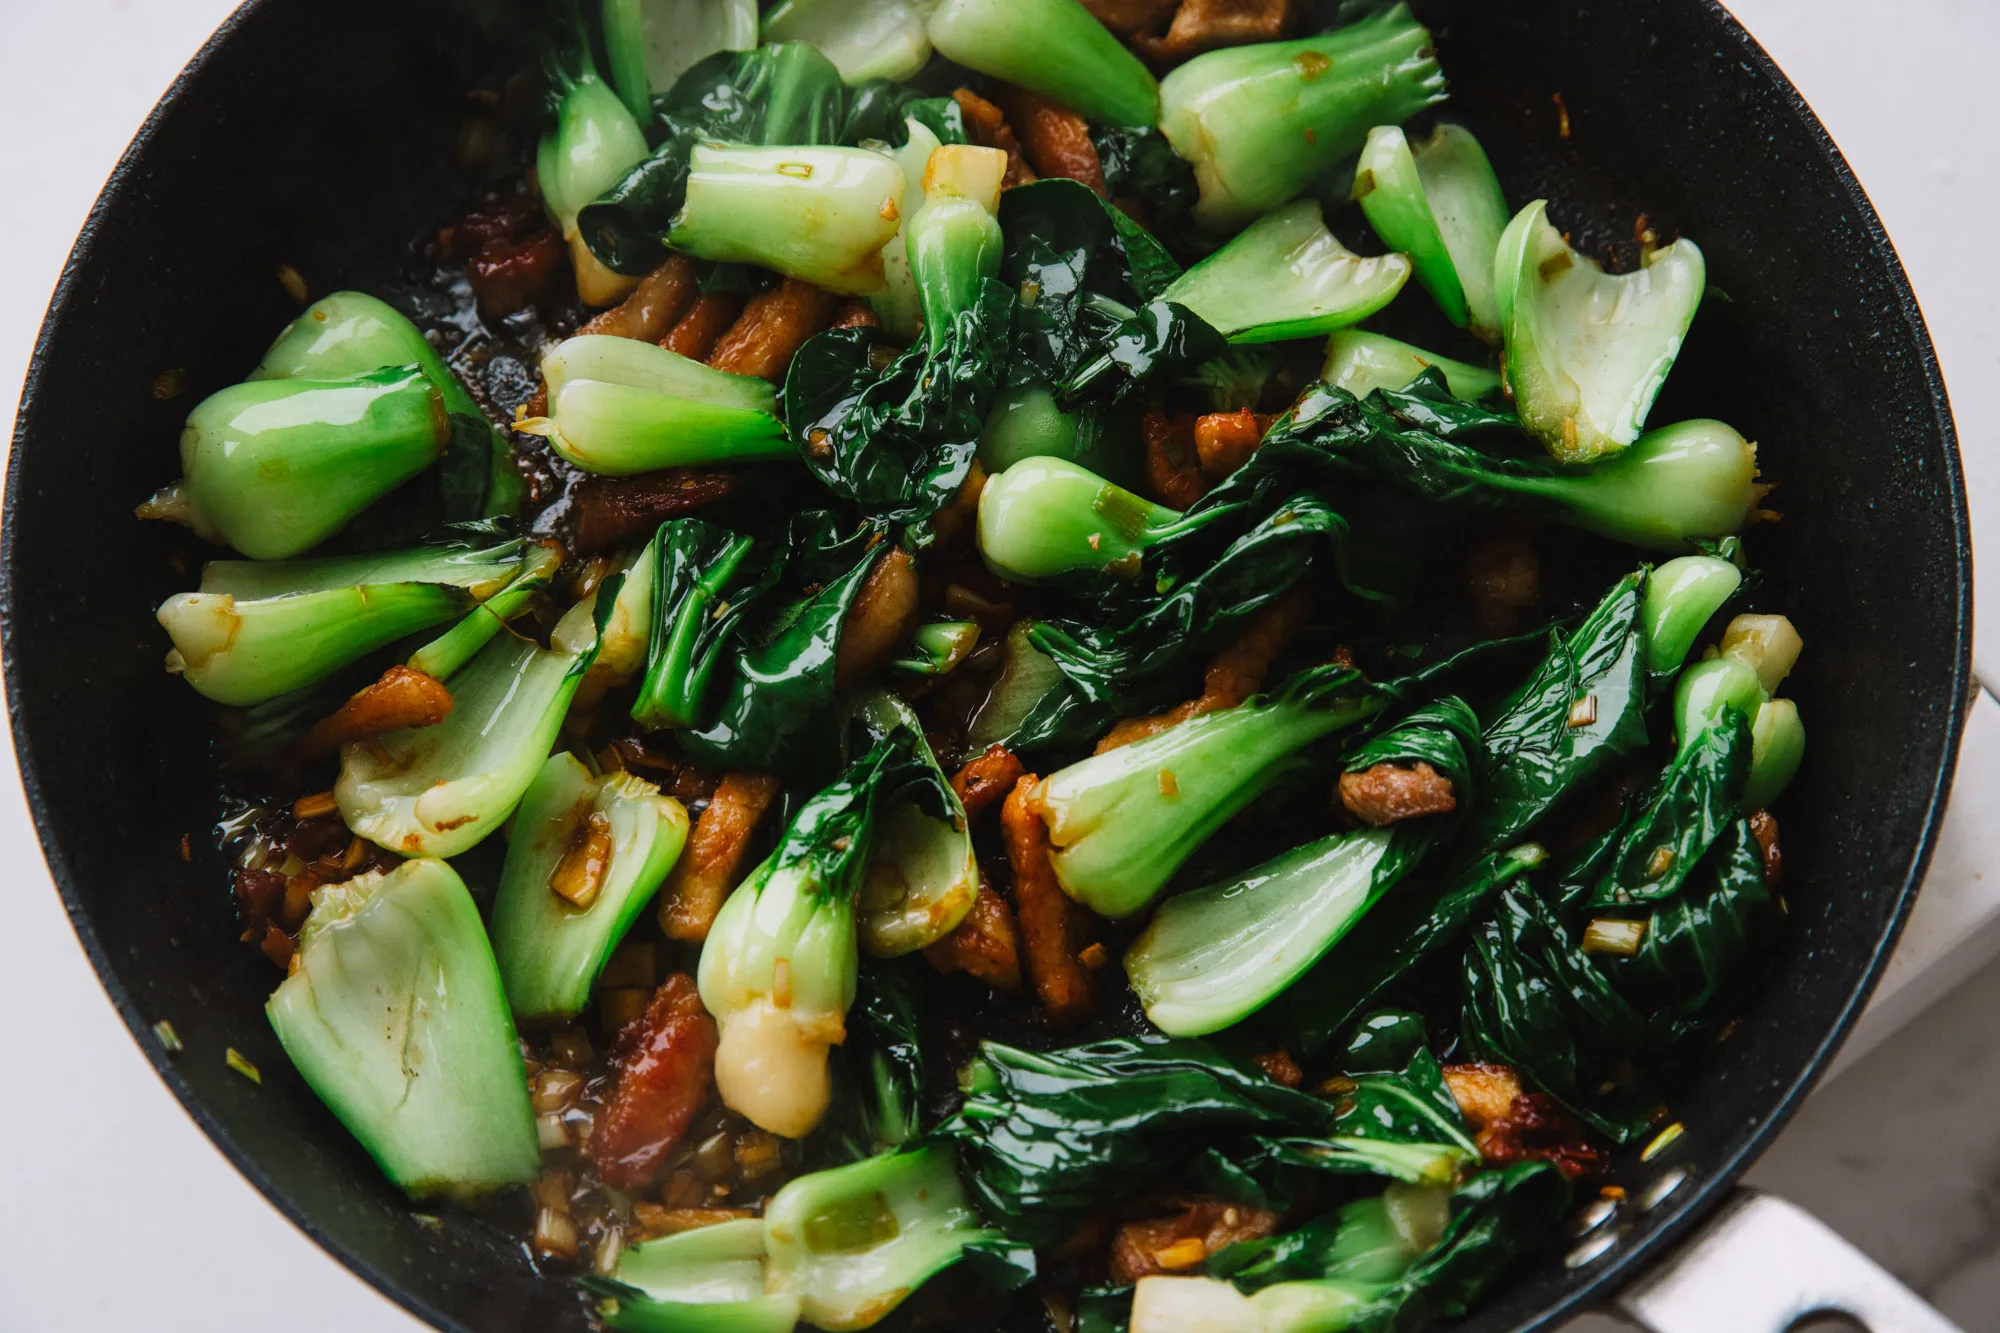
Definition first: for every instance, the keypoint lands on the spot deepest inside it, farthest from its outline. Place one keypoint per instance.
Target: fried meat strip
(1233, 675)
(1128, 18)
(665, 1066)
(1224, 441)
(404, 697)
(1509, 1125)
(697, 331)
(1765, 830)
(854, 313)
(1204, 25)
(882, 616)
(507, 276)
(1052, 926)
(773, 326)
(987, 779)
(988, 127)
(1173, 469)
(1054, 139)
(606, 510)
(1384, 794)
(660, 299)
(986, 944)
(712, 862)
(1186, 1239)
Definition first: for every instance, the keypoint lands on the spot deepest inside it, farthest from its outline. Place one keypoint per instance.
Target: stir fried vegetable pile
(974, 741)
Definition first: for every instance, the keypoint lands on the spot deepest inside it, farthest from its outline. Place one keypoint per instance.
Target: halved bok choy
(1286, 276)
(1439, 202)
(395, 1017)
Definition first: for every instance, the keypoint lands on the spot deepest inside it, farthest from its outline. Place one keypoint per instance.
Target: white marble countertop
(1902, 1151)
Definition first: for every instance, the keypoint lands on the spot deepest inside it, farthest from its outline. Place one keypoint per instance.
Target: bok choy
(1440, 203)
(435, 1091)
(1361, 362)
(584, 855)
(596, 139)
(259, 629)
(1286, 276)
(865, 39)
(1052, 47)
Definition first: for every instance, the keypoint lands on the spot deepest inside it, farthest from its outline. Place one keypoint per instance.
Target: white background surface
(115, 1212)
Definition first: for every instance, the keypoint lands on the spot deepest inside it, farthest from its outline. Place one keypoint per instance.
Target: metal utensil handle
(1764, 1264)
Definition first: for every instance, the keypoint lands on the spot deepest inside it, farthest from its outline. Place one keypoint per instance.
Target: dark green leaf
(705, 580)
(1680, 818)
(898, 442)
(878, 1074)
(1707, 946)
(1498, 1218)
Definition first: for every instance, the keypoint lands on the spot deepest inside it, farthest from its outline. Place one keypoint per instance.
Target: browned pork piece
(712, 863)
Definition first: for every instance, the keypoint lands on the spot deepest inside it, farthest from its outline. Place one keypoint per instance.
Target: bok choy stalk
(865, 39)
(838, 1249)
(584, 855)
(1052, 47)
(652, 42)
(275, 467)
(703, 580)
(778, 968)
(1681, 484)
(1261, 122)
(899, 441)
(898, 305)
(922, 875)
(1415, 1252)
(1720, 770)
(259, 629)
(1215, 955)
(597, 139)
(1362, 362)
(435, 1091)
(352, 333)
(620, 406)
(1122, 822)
(439, 790)
(1440, 204)
(821, 214)
(708, 1280)
(1587, 351)
(784, 93)
(1044, 518)
(1286, 276)
(449, 651)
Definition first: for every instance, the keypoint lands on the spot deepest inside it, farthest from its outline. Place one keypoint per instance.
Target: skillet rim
(1661, 1229)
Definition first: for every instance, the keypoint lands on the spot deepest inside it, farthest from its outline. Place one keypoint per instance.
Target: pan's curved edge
(1681, 1216)
(137, 1023)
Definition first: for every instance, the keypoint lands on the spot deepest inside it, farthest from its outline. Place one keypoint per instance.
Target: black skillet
(322, 135)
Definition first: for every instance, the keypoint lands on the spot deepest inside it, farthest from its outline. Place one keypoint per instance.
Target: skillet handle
(1763, 1264)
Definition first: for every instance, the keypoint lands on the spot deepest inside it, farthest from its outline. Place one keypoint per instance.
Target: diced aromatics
(584, 856)
(1261, 122)
(665, 1064)
(435, 1092)
(713, 862)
